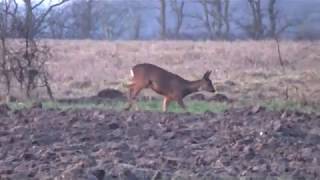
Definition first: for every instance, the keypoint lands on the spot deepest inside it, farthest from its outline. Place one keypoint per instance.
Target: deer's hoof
(126, 108)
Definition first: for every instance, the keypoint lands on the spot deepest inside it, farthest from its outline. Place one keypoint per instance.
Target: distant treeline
(162, 19)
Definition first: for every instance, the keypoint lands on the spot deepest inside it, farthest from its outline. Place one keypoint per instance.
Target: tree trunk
(226, 18)
(136, 27)
(178, 9)
(272, 18)
(219, 18)
(257, 29)
(163, 30)
(4, 71)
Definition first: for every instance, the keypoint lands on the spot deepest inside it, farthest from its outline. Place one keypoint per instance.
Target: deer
(172, 86)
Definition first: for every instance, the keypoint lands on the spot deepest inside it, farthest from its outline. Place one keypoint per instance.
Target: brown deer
(165, 83)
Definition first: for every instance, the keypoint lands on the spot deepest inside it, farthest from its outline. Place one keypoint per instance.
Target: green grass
(279, 105)
(192, 106)
(195, 107)
(154, 105)
(60, 105)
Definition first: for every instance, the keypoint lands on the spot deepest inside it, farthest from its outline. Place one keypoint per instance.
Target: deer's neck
(191, 87)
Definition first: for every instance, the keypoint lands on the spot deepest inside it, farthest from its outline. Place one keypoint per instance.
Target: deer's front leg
(133, 93)
(130, 100)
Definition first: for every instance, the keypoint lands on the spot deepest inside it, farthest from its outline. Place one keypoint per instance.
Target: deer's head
(206, 83)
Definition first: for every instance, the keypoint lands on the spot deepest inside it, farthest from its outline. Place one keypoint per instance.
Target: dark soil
(103, 96)
(217, 97)
(111, 94)
(102, 145)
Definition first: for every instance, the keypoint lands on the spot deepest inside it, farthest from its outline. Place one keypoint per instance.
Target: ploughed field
(39, 143)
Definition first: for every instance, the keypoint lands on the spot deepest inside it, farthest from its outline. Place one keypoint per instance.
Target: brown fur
(165, 83)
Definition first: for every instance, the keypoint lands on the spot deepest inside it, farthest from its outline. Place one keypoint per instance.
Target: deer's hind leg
(165, 104)
(181, 103)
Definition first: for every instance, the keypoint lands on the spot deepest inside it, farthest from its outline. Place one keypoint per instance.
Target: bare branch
(178, 9)
(279, 53)
(38, 4)
(44, 15)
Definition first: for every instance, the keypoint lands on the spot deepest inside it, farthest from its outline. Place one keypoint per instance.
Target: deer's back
(159, 79)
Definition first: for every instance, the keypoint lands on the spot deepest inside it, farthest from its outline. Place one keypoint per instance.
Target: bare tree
(226, 18)
(58, 22)
(87, 19)
(35, 16)
(272, 18)
(136, 26)
(162, 19)
(135, 15)
(86, 24)
(256, 29)
(206, 18)
(178, 9)
(8, 11)
(82, 13)
(103, 19)
(31, 65)
(275, 27)
(216, 17)
(116, 21)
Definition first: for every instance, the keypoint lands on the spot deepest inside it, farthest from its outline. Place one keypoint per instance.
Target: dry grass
(241, 69)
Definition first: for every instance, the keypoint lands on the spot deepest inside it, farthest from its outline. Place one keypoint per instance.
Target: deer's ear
(207, 75)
